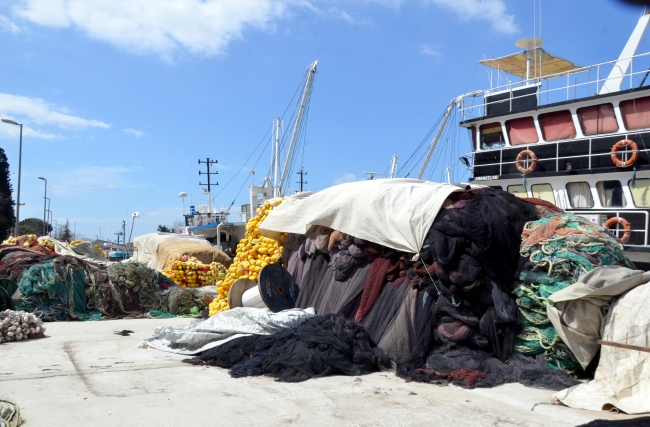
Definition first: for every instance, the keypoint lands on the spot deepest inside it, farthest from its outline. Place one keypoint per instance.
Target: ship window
(518, 190)
(522, 131)
(597, 119)
(640, 192)
(492, 136)
(610, 194)
(496, 187)
(544, 192)
(557, 125)
(636, 113)
(472, 135)
(579, 195)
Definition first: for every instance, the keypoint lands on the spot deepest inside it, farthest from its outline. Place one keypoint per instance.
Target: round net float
(277, 288)
(237, 291)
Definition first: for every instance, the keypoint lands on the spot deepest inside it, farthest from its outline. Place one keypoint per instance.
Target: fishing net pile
(56, 287)
(556, 251)
(18, 326)
(322, 345)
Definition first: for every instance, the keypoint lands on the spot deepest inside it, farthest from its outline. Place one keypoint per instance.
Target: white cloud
(134, 132)
(84, 179)
(428, 50)
(490, 10)
(345, 16)
(162, 26)
(35, 110)
(12, 132)
(7, 25)
(343, 178)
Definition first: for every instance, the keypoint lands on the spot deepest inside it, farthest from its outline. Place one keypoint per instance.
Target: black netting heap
(323, 345)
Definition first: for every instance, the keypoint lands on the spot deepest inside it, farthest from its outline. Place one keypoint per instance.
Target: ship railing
(572, 85)
(557, 158)
(223, 217)
(617, 230)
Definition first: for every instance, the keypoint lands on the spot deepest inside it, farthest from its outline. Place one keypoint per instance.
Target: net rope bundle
(556, 251)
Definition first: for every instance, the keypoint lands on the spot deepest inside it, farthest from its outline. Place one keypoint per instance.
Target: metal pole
(44, 204)
(20, 161)
(305, 96)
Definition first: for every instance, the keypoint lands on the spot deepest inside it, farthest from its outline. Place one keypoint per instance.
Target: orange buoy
(625, 143)
(627, 229)
(520, 158)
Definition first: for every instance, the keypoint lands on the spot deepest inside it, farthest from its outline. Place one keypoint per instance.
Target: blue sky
(121, 97)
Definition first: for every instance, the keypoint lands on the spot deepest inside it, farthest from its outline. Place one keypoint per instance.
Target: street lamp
(44, 204)
(20, 161)
(134, 216)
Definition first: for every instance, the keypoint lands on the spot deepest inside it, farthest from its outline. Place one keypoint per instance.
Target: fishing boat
(575, 136)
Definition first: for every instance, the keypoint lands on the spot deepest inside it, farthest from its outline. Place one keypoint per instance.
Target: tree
(66, 234)
(33, 226)
(7, 212)
(164, 229)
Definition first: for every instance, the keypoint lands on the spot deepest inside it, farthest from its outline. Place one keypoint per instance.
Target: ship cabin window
(640, 192)
(579, 195)
(636, 113)
(496, 187)
(472, 136)
(492, 136)
(597, 119)
(611, 194)
(522, 131)
(557, 125)
(518, 190)
(544, 192)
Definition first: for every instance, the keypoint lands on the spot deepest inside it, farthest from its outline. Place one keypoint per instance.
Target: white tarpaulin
(84, 250)
(622, 379)
(200, 336)
(157, 250)
(396, 213)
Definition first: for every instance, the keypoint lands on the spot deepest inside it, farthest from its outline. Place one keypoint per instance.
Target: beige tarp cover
(84, 250)
(516, 63)
(577, 312)
(157, 250)
(396, 213)
(622, 379)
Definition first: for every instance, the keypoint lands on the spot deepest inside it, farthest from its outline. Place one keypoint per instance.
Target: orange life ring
(533, 161)
(627, 230)
(625, 143)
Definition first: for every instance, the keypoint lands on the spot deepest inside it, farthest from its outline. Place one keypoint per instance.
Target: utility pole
(302, 174)
(208, 162)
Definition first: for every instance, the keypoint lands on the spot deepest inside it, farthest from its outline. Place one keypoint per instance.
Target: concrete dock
(83, 374)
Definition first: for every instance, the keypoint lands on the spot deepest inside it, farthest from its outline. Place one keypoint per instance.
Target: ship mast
(306, 94)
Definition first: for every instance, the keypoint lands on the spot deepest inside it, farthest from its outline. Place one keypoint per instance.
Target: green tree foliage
(66, 234)
(33, 226)
(164, 229)
(7, 212)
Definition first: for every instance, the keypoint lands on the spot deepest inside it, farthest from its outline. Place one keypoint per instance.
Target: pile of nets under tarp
(322, 345)
(68, 288)
(556, 251)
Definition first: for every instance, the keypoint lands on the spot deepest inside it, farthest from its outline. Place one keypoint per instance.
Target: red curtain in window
(636, 113)
(522, 131)
(597, 119)
(557, 125)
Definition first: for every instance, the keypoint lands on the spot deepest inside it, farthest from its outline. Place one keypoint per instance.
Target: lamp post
(134, 216)
(49, 216)
(44, 204)
(20, 161)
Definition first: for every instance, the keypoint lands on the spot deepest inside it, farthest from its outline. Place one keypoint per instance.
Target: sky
(120, 98)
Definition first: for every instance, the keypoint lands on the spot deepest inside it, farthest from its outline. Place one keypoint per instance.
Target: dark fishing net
(529, 371)
(68, 288)
(12, 264)
(323, 345)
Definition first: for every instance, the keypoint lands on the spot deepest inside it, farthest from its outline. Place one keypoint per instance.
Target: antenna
(371, 175)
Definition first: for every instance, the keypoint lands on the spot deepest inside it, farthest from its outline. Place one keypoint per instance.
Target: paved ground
(83, 374)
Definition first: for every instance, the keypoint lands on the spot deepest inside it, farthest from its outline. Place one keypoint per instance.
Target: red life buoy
(625, 143)
(520, 158)
(627, 230)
